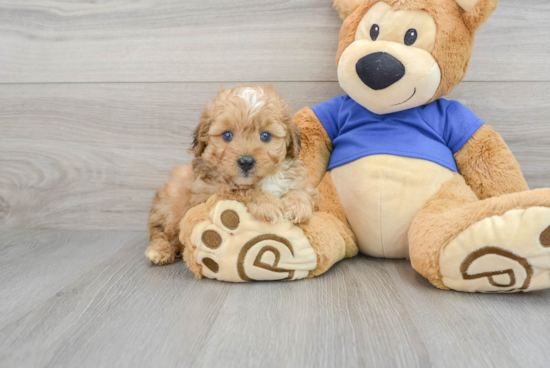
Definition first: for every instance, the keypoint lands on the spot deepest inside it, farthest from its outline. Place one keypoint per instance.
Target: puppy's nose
(246, 163)
(379, 70)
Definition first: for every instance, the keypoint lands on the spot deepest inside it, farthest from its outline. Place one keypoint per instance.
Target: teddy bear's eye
(374, 32)
(410, 37)
(227, 136)
(265, 137)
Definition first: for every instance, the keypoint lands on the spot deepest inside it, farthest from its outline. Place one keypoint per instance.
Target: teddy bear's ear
(467, 5)
(346, 7)
(477, 12)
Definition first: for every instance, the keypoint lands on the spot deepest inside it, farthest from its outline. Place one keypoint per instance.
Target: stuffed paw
(501, 254)
(233, 246)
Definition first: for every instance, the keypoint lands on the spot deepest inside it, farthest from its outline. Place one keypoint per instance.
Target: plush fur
(455, 33)
(345, 7)
(316, 138)
(490, 183)
(488, 165)
(275, 188)
(331, 205)
(452, 210)
(330, 238)
(489, 190)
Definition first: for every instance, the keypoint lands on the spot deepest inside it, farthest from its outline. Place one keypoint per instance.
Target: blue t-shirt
(434, 132)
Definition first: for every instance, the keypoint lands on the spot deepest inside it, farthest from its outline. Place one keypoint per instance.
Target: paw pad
(233, 246)
(500, 254)
(274, 254)
(545, 238)
(211, 239)
(500, 278)
(211, 264)
(230, 219)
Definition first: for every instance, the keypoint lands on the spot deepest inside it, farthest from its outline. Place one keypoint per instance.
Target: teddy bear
(401, 171)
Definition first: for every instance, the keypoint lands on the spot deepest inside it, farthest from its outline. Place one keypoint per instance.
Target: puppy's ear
(222, 94)
(295, 142)
(200, 137)
(477, 12)
(345, 7)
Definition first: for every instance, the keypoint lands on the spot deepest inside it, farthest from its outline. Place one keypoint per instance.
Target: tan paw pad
(211, 239)
(233, 246)
(211, 264)
(503, 269)
(230, 219)
(545, 237)
(507, 253)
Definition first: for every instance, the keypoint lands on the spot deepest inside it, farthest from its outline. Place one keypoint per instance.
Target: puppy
(246, 148)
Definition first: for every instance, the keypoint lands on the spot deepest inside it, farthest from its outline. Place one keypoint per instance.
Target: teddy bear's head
(399, 54)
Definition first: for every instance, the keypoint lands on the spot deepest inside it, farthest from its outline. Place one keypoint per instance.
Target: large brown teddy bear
(408, 172)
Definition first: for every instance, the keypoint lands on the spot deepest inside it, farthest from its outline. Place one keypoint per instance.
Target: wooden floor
(98, 100)
(90, 299)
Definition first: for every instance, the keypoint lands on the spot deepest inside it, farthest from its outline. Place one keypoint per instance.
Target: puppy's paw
(298, 211)
(160, 256)
(266, 211)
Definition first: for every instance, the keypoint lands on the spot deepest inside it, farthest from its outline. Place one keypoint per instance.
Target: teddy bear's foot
(233, 246)
(508, 253)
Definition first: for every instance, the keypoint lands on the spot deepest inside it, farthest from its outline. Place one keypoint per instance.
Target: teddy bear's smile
(401, 103)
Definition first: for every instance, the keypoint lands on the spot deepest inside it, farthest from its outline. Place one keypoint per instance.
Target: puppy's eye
(265, 137)
(410, 37)
(227, 136)
(374, 32)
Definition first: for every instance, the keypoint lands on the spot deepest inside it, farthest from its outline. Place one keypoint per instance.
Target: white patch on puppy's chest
(280, 183)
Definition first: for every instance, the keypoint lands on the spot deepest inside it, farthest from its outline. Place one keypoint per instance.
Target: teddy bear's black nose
(379, 70)
(246, 163)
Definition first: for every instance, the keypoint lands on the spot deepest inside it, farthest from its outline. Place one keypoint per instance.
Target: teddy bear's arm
(316, 145)
(488, 165)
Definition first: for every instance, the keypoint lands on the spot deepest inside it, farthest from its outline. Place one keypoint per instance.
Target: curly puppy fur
(276, 187)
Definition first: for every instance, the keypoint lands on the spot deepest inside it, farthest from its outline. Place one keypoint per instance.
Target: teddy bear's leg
(193, 217)
(223, 241)
(500, 244)
(331, 239)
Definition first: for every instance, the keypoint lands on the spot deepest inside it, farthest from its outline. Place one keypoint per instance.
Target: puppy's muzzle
(379, 70)
(246, 163)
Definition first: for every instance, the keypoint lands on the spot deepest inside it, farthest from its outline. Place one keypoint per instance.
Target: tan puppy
(246, 148)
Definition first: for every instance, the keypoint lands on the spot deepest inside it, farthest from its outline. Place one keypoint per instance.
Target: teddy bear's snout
(379, 70)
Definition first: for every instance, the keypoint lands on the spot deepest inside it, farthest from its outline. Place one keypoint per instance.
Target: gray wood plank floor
(90, 299)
